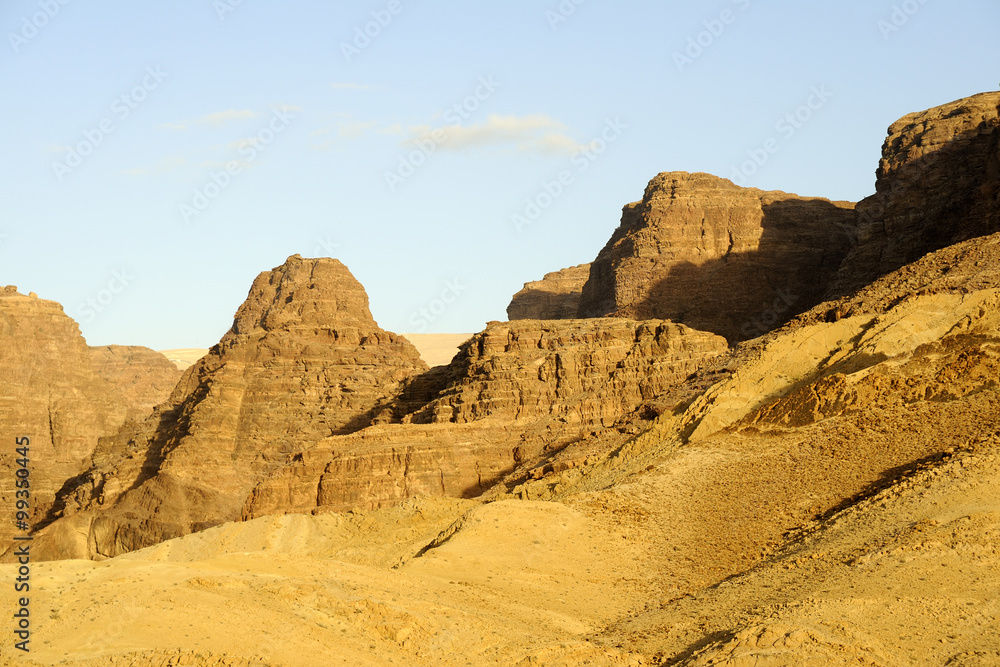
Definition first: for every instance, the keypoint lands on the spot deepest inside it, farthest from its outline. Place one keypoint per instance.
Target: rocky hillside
(830, 500)
(938, 183)
(555, 297)
(303, 360)
(65, 395)
(704, 252)
(606, 491)
(515, 394)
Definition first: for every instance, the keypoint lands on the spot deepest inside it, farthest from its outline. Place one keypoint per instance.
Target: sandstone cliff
(555, 297)
(938, 183)
(141, 377)
(514, 392)
(63, 395)
(704, 252)
(303, 360)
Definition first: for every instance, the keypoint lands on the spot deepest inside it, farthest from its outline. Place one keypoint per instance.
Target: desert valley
(757, 429)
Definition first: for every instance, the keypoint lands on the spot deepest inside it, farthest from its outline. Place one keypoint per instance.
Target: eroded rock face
(938, 183)
(63, 395)
(579, 371)
(514, 391)
(555, 297)
(143, 377)
(304, 360)
(701, 251)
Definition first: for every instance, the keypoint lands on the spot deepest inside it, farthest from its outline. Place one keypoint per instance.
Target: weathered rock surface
(142, 377)
(704, 252)
(515, 391)
(304, 360)
(938, 183)
(555, 297)
(64, 395)
(579, 371)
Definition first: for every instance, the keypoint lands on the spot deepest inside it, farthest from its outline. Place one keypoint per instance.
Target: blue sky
(159, 156)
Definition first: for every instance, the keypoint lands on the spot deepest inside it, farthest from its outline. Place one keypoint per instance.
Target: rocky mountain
(704, 252)
(64, 395)
(938, 183)
(303, 360)
(555, 297)
(606, 491)
(830, 500)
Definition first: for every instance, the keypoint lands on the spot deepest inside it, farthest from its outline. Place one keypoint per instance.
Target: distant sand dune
(185, 357)
(434, 349)
(437, 349)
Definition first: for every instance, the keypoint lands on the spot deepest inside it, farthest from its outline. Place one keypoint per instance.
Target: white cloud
(242, 144)
(162, 167)
(395, 129)
(355, 130)
(216, 119)
(537, 133)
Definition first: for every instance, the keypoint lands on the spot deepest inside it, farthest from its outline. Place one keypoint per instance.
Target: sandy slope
(184, 358)
(437, 349)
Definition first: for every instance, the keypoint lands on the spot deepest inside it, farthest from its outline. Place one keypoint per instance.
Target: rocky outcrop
(383, 465)
(579, 371)
(142, 377)
(704, 252)
(514, 392)
(938, 183)
(63, 395)
(303, 360)
(555, 297)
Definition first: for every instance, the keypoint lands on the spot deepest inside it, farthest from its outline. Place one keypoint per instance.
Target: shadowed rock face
(64, 395)
(554, 297)
(704, 252)
(938, 183)
(304, 360)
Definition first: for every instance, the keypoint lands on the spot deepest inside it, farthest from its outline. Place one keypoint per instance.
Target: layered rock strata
(555, 297)
(704, 252)
(303, 360)
(515, 391)
(63, 395)
(938, 183)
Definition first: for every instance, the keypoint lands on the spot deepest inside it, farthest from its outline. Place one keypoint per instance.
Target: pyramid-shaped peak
(303, 292)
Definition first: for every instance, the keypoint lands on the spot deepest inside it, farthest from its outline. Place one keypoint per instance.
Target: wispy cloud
(217, 119)
(537, 133)
(355, 130)
(162, 167)
(345, 128)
